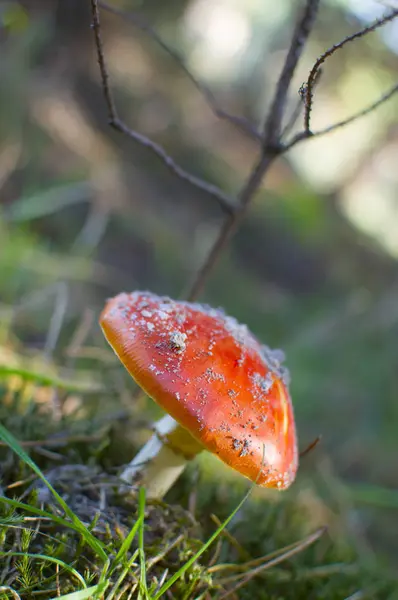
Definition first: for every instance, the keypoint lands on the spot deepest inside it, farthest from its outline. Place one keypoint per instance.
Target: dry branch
(223, 199)
(315, 69)
(272, 144)
(307, 89)
(366, 111)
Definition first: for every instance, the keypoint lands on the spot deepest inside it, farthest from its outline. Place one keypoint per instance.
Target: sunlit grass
(120, 564)
(110, 565)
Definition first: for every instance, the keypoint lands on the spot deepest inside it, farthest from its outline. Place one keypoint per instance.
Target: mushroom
(223, 391)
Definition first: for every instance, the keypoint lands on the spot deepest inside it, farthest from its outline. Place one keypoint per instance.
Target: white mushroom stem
(163, 458)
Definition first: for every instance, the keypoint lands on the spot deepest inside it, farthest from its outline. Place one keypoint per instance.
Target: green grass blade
(104, 581)
(374, 495)
(47, 202)
(51, 559)
(122, 576)
(124, 548)
(38, 511)
(167, 585)
(95, 544)
(95, 591)
(141, 545)
(79, 387)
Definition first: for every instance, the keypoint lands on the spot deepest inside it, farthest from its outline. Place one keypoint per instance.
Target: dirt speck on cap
(245, 448)
(241, 446)
(264, 383)
(177, 341)
(236, 444)
(210, 375)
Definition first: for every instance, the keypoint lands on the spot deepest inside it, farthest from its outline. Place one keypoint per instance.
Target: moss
(44, 555)
(170, 536)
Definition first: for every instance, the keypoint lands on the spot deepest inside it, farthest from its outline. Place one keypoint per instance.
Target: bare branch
(272, 144)
(311, 81)
(272, 129)
(223, 199)
(312, 134)
(140, 22)
(272, 147)
(112, 114)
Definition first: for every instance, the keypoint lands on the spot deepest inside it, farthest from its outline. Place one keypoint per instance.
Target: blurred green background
(86, 213)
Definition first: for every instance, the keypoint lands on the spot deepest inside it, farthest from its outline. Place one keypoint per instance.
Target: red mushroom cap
(213, 377)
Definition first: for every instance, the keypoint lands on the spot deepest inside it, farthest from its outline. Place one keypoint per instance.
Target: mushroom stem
(163, 458)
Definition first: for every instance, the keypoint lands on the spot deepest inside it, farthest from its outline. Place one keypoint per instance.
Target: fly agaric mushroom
(223, 391)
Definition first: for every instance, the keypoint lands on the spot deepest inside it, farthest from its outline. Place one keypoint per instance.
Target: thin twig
(256, 564)
(244, 567)
(272, 129)
(223, 199)
(314, 71)
(313, 134)
(308, 541)
(161, 555)
(294, 117)
(225, 533)
(311, 446)
(298, 107)
(57, 584)
(141, 23)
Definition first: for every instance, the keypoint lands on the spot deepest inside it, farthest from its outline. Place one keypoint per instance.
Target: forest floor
(66, 531)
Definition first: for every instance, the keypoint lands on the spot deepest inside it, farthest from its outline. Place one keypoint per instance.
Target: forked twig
(314, 74)
(141, 23)
(223, 199)
(367, 110)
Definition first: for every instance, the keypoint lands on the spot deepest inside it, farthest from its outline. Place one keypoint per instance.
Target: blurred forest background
(86, 213)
